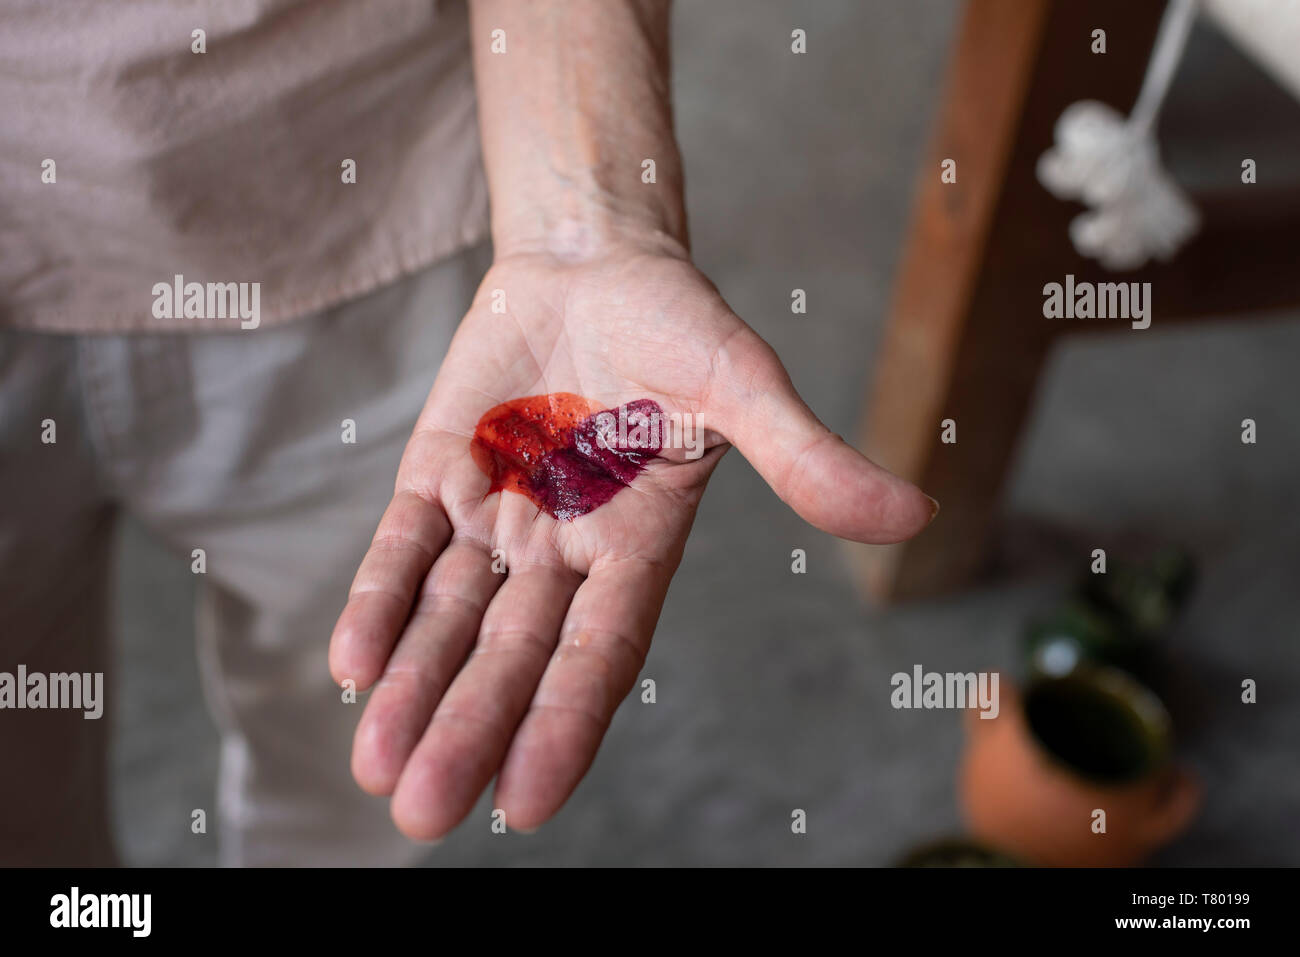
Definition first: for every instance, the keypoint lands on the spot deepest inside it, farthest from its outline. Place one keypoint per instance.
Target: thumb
(753, 403)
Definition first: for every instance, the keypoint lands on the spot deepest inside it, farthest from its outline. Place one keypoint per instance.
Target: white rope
(1175, 26)
(1112, 165)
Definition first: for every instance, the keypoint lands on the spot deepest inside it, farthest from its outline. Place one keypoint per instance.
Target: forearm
(569, 114)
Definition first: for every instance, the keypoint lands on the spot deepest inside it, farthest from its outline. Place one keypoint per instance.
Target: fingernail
(934, 508)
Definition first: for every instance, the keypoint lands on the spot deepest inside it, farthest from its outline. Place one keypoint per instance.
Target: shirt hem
(362, 278)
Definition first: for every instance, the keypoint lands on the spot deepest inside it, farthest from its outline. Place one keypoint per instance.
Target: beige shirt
(147, 186)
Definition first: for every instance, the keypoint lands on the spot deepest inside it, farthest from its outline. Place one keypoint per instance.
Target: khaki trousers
(232, 443)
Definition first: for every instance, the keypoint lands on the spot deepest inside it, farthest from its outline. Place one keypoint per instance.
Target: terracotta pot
(1033, 777)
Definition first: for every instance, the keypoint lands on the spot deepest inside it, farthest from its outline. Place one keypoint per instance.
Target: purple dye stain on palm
(564, 452)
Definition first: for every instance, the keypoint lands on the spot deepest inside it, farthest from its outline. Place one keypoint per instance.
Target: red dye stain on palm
(564, 452)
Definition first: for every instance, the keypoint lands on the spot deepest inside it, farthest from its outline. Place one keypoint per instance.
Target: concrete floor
(773, 689)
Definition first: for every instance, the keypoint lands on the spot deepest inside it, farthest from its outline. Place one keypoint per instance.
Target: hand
(477, 673)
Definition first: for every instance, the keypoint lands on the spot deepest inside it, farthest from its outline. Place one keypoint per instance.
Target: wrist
(570, 226)
(575, 239)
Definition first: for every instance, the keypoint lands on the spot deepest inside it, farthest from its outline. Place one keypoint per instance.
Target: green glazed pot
(955, 852)
(1078, 633)
(1144, 598)
(1114, 619)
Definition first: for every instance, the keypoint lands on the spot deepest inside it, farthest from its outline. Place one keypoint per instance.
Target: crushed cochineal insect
(564, 452)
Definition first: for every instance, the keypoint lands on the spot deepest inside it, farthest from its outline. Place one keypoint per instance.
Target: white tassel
(1112, 165)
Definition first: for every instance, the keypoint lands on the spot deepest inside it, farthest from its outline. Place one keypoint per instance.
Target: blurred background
(773, 689)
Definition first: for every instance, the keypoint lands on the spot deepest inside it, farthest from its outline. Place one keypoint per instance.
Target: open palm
(478, 673)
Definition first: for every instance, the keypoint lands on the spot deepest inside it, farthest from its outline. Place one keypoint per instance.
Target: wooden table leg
(966, 338)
